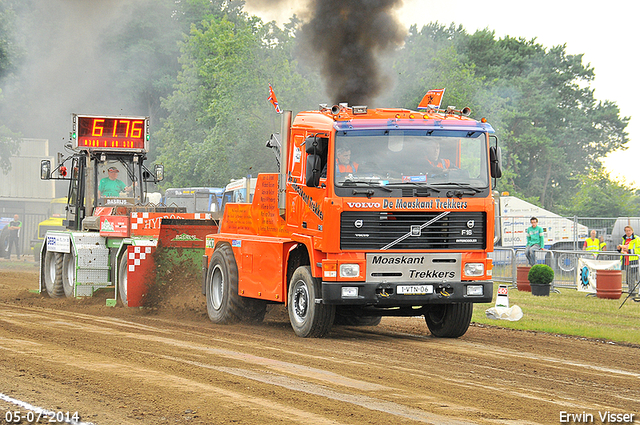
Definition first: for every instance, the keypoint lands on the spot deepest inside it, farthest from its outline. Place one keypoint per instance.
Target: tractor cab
(106, 169)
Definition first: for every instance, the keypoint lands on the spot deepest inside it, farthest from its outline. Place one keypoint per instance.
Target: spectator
(535, 241)
(14, 236)
(592, 244)
(630, 245)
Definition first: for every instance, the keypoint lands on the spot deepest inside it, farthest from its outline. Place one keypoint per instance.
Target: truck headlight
(349, 270)
(474, 269)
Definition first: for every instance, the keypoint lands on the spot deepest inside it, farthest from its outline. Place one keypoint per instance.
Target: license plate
(415, 289)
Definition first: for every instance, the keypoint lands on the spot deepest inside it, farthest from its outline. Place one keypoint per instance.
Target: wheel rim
(217, 287)
(300, 302)
(566, 262)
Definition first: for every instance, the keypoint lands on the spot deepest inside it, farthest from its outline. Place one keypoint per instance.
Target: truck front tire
(53, 274)
(449, 320)
(308, 318)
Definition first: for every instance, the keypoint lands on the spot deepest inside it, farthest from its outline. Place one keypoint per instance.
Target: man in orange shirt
(344, 165)
(433, 156)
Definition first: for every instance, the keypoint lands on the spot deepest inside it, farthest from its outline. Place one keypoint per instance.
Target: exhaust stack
(284, 150)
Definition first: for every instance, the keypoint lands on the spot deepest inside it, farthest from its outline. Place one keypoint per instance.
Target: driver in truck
(434, 161)
(344, 165)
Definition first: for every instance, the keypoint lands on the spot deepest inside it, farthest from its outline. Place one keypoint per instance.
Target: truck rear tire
(224, 304)
(449, 320)
(53, 274)
(308, 318)
(69, 274)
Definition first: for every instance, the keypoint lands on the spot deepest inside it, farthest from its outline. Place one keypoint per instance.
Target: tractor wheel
(308, 318)
(53, 274)
(449, 320)
(123, 274)
(69, 274)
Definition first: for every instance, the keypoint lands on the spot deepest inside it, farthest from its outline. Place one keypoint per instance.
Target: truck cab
(374, 212)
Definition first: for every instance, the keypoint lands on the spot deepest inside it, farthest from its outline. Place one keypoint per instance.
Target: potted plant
(540, 278)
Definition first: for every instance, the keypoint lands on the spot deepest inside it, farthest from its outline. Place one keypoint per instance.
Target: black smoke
(346, 39)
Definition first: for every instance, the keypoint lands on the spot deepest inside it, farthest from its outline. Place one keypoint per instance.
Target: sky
(606, 34)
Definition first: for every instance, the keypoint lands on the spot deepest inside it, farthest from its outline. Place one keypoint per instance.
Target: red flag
(432, 99)
(273, 100)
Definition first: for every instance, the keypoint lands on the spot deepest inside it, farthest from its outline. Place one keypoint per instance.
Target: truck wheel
(122, 279)
(69, 274)
(53, 274)
(449, 320)
(224, 305)
(308, 318)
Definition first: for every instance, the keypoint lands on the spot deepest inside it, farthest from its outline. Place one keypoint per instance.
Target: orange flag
(273, 100)
(432, 99)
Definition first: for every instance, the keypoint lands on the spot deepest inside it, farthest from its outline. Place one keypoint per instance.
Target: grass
(570, 313)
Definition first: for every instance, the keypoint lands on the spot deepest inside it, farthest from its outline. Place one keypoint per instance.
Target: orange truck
(113, 238)
(374, 212)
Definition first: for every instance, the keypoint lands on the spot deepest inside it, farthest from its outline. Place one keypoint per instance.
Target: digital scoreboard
(94, 132)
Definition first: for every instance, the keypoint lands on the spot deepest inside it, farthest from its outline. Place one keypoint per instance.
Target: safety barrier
(563, 262)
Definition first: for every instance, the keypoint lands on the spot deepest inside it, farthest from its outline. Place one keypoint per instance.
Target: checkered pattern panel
(137, 220)
(139, 254)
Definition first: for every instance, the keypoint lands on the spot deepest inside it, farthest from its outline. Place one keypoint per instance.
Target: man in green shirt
(111, 186)
(535, 241)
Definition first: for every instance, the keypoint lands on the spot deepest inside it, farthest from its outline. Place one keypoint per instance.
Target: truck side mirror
(158, 170)
(45, 169)
(314, 164)
(495, 157)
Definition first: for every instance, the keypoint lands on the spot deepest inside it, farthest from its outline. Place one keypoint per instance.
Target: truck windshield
(411, 157)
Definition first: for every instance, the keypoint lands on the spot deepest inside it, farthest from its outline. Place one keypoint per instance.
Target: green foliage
(599, 196)
(540, 274)
(219, 119)
(10, 53)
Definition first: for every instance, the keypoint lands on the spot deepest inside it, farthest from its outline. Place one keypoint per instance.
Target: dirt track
(171, 365)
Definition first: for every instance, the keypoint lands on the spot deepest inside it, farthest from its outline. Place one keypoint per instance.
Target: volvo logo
(358, 224)
(471, 223)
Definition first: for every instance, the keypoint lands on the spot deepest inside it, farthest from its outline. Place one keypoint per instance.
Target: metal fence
(564, 237)
(563, 262)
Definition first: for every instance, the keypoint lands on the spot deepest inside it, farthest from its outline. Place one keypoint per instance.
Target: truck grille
(364, 230)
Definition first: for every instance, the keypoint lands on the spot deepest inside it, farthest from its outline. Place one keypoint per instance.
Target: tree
(599, 196)
(219, 118)
(9, 55)
(552, 127)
